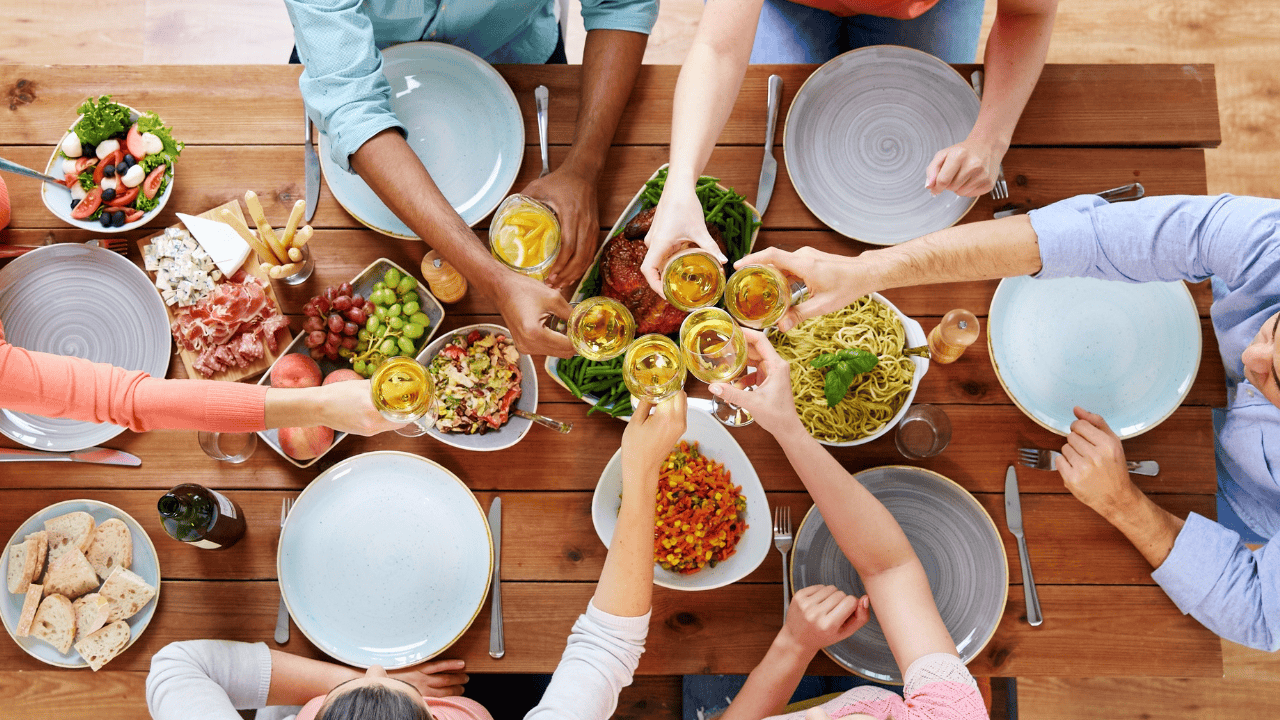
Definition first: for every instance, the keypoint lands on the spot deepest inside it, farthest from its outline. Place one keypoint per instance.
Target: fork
(782, 540)
(282, 616)
(1048, 460)
(1000, 190)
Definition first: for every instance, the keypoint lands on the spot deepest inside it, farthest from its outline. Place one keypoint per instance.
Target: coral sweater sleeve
(68, 387)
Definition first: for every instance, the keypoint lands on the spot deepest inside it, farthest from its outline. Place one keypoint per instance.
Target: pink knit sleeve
(67, 387)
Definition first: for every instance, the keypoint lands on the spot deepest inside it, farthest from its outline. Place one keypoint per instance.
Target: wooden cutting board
(251, 266)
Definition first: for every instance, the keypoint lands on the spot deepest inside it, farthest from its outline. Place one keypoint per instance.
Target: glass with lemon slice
(403, 392)
(525, 236)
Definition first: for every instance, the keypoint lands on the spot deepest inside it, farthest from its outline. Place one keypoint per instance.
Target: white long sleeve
(208, 680)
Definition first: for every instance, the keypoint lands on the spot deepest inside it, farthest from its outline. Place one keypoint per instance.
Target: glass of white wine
(693, 279)
(404, 392)
(601, 328)
(653, 368)
(757, 296)
(715, 350)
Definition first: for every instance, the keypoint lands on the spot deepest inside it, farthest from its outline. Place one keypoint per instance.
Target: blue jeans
(792, 33)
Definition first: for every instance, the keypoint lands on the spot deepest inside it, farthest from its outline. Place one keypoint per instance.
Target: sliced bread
(100, 647)
(70, 575)
(41, 539)
(55, 623)
(29, 607)
(21, 562)
(91, 614)
(67, 532)
(127, 592)
(112, 545)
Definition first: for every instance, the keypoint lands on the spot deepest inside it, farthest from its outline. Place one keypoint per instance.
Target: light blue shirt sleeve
(633, 15)
(342, 83)
(1230, 589)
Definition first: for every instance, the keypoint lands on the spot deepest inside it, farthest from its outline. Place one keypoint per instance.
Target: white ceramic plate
(516, 428)
(464, 124)
(860, 134)
(385, 560)
(1126, 351)
(72, 299)
(957, 544)
(716, 443)
(58, 199)
(145, 563)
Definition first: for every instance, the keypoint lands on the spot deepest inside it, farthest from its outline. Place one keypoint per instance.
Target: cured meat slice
(230, 326)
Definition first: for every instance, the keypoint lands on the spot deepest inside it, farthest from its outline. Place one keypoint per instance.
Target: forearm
(295, 680)
(625, 588)
(772, 682)
(1150, 528)
(1015, 54)
(610, 63)
(301, 407)
(973, 251)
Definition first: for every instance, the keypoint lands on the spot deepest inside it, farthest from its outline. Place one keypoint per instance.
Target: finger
(813, 307)
(641, 413)
(830, 600)
(673, 409)
(844, 607)
(772, 256)
(549, 342)
(1084, 449)
(440, 666)
(1072, 456)
(1090, 433)
(1096, 421)
(704, 240)
(947, 174)
(654, 260)
(583, 255)
(931, 172)
(445, 680)
(734, 395)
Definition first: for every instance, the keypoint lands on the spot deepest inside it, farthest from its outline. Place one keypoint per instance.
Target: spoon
(543, 420)
(16, 169)
(540, 96)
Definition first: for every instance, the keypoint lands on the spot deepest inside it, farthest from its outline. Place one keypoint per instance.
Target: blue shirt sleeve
(634, 15)
(1230, 589)
(342, 83)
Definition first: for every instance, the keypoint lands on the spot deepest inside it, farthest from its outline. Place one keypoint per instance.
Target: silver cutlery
(1124, 193)
(769, 168)
(1048, 460)
(496, 646)
(782, 540)
(311, 162)
(282, 615)
(540, 98)
(16, 169)
(95, 455)
(1013, 518)
(1000, 190)
(561, 427)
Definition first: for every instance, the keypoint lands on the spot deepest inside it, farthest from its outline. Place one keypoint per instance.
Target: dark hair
(373, 702)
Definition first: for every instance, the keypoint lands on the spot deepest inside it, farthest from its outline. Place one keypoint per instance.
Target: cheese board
(198, 276)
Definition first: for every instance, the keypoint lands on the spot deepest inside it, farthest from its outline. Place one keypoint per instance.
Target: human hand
(650, 436)
(348, 407)
(833, 281)
(770, 402)
(573, 196)
(1093, 468)
(821, 615)
(968, 168)
(442, 678)
(525, 305)
(677, 222)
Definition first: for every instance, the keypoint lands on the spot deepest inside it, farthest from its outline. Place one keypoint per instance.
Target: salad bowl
(514, 430)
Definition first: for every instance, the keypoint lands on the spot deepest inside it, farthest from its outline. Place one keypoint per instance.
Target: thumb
(931, 173)
(1093, 419)
(649, 268)
(730, 394)
(801, 312)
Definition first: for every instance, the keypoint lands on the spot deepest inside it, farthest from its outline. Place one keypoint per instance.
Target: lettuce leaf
(150, 122)
(146, 204)
(86, 180)
(102, 119)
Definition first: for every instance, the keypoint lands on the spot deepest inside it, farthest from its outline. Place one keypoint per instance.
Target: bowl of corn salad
(712, 525)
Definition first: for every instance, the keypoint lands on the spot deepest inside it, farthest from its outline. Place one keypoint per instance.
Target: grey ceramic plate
(516, 428)
(72, 299)
(861, 133)
(957, 543)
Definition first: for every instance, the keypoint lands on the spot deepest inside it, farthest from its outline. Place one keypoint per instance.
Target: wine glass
(715, 350)
(757, 296)
(601, 328)
(693, 279)
(403, 392)
(653, 368)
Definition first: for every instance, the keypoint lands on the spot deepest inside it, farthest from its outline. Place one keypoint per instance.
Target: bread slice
(100, 647)
(55, 623)
(91, 614)
(67, 532)
(21, 562)
(70, 575)
(41, 539)
(127, 592)
(112, 545)
(29, 607)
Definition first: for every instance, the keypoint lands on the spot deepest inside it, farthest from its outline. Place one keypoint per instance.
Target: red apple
(342, 375)
(295, 370)
(305, 443)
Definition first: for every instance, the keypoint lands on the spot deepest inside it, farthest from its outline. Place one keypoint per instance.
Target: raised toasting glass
(693, 279)
(757, 296)
(715, 350)
(403, 392)
(653, 369)
(525, 236)
(601, 328)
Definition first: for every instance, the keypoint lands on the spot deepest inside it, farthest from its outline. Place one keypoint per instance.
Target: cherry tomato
(133, 143)
(132, 216)
(88, 205)
(85, 162)
(124, 196)
(151, 186)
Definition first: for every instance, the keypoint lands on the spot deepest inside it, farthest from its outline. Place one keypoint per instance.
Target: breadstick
(295, 217)
(264, 253)
(287, 270)
(267, 268)
(303, 236)
(264, 228)
(295, 254)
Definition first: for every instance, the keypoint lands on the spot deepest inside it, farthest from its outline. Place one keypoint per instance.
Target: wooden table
(1087, 128)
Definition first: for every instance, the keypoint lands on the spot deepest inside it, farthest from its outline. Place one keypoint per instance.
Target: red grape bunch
(334, 318)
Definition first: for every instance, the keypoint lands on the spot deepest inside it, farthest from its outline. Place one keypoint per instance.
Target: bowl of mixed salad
(479, 378)
(117, 165)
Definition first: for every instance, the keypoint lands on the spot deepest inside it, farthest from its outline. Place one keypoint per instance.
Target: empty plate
(957, 543)
(462, 121)
(861, 133)
(385, 560)
(1126, 351)
(72, 299)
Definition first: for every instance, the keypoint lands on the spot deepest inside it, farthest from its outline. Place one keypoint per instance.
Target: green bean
(600, 370)
(573, 387)
(715, 212)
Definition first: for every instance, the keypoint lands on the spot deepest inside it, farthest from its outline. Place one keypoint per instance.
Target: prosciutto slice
(230, 326)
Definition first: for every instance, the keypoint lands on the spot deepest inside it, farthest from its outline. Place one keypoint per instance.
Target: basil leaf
(825, 360)
(862, 361)
(836, 387)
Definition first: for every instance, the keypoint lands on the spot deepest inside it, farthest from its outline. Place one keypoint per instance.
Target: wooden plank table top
(1086, 128)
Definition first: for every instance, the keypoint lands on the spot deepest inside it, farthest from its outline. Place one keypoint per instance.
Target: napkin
(223, 244)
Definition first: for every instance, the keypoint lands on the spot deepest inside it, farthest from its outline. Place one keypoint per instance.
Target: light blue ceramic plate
(145, 563)
(517, 427)
(385, 560)
(462, 121)
(1126, 351)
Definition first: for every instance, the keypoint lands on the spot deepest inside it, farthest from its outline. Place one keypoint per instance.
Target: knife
(96, 455)
(312, 164)
(769, 169)
(1013, 518)
(496, 648)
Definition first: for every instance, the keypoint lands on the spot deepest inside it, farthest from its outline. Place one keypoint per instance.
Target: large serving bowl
(717, 444)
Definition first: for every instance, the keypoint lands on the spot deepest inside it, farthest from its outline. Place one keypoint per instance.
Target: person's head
(1260, 359)
(374, 697)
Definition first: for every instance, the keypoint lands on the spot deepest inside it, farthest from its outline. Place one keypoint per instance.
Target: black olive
(105, 219)
(109, 194)
(130, 160)
(88, 150)
(74, 203)
(109, 170)
(122, 168)
(117, 218)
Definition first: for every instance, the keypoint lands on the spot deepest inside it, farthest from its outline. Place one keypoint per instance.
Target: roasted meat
(621, 280)
(639, 225)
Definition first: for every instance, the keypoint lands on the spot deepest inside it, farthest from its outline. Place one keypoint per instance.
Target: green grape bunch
(395, 326)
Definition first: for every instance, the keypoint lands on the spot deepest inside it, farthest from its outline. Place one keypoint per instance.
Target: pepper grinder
(446, 283)
(957, 331)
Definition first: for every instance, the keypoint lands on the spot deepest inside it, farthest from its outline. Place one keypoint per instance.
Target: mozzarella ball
(106, 147)
(108, 183)
(69, 166)
(77, 192)
(134, 177)
(151, 144)
(71, 146)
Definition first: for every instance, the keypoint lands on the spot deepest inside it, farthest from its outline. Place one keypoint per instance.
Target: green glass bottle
(198, 516)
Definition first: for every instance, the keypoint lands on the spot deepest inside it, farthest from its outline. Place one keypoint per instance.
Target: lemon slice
(510, 247)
